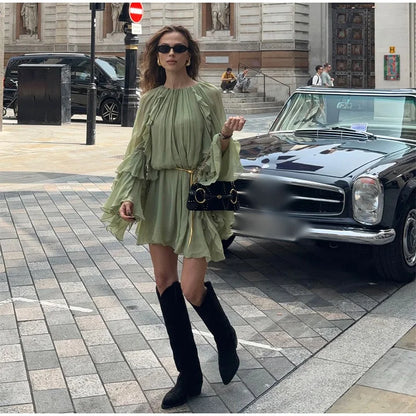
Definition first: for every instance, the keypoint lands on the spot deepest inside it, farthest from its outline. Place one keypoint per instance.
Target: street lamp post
(131, 42)
(92, 88)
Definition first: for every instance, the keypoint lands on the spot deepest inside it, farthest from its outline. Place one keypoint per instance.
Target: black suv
(109, 71)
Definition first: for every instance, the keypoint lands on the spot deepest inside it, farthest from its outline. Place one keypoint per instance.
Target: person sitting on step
(243, 81)
(228, 81)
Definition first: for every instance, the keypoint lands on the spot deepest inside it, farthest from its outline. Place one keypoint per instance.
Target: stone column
(2, 10)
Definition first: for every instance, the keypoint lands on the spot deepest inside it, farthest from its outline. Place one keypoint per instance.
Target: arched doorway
(353, 45)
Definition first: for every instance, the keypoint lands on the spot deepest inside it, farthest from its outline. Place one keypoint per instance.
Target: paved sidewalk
(388, 386)
(81, 328)
(370, 368)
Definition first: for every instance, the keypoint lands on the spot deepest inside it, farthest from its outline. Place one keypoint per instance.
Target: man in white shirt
(317, 80)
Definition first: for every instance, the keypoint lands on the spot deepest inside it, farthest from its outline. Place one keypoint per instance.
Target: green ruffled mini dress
(174, 132)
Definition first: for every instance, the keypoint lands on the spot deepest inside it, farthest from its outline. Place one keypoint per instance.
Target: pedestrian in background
(317, 80)
(228, 81)
(243, 81)
(327, 80)
(180, 123)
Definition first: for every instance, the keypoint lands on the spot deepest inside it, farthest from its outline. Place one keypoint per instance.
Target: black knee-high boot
(225, 337)
(184, 350)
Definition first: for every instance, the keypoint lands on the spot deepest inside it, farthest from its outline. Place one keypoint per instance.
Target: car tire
(110, 111)
(226, 243)
(397, 261)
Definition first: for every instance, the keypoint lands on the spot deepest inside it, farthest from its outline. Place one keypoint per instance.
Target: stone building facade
(271, 37)
(357, 38)
(283, 40)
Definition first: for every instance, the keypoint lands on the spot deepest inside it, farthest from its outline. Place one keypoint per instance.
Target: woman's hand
(126, 211)
(233, 124)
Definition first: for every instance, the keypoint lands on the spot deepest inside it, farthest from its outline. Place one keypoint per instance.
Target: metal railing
(242, 66)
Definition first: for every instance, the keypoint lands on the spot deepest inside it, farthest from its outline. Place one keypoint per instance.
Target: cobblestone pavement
(80, 325)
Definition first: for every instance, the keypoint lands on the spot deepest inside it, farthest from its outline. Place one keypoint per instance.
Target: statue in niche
(115, 13)
(220, 15)
(29, 13)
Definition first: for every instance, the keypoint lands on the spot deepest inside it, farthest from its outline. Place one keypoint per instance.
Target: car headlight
(367, 200)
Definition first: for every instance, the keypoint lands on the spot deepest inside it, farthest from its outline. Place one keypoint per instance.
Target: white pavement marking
(79, 309)
(241, 341)
(46, 303)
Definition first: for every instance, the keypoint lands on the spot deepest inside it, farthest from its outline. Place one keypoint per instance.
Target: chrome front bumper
(351, 235)
(274, 227)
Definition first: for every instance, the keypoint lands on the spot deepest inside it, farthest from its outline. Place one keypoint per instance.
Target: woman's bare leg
(192, 279)
(165, 265)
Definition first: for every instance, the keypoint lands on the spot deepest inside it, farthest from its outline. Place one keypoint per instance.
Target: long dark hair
(154, 75)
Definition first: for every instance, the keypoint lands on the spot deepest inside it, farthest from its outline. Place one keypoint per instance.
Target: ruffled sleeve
(217, 165)
(130, 183)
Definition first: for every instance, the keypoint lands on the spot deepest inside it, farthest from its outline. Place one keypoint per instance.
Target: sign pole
(131, 41)
(92, 88)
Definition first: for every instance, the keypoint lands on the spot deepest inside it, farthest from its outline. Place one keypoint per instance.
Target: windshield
(381, 115)
(113, 67)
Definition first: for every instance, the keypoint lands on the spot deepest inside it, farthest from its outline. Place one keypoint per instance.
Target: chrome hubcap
(409, 238)
(110, 111)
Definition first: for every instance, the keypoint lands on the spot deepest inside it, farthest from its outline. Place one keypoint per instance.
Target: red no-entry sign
(136, 12)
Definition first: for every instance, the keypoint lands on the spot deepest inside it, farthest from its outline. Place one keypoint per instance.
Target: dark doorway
(353, 45)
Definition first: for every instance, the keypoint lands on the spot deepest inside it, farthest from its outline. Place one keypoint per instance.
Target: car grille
(271, 193)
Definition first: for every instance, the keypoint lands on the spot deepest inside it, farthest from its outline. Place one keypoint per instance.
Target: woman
(180, 124)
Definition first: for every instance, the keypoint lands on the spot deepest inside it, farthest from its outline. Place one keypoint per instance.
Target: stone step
(260, 104)
(253, 110)
(251, 91)
(242, 94)
(249, 103)
(246, 99)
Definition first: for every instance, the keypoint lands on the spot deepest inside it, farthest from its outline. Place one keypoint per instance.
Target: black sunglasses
(178, 48)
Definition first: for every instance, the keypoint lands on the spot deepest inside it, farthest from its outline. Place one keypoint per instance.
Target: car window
(302, 111)
(409, 119)
(13, 67)
(80, 71)
(12, 70)
(52, 61)
(391, 116)
(113, 67)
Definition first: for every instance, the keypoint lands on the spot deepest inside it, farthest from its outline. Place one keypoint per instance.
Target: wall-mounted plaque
(392, 67)
(217, 60)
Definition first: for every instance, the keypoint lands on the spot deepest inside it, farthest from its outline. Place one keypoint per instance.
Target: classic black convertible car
(337, 165)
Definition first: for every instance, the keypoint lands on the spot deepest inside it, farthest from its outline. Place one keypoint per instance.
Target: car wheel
(4, 111)
(226, 243)
(397, 260)
(110, 111)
